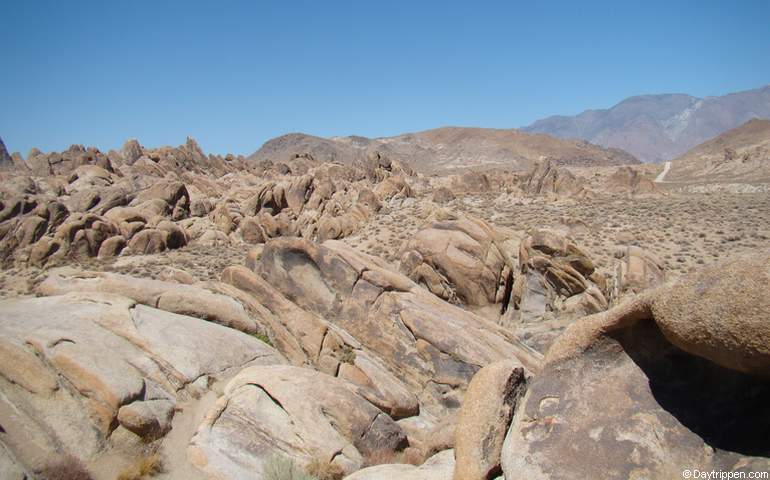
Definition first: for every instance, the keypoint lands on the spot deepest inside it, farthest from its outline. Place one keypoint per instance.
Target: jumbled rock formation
(557, 283)
(628, 180)
(84, 203)
(545, 178)
(80, 370)
(675, 378)
(636, 270)
(294, 412)
(488, 407)
(411, 330)
(458, 260)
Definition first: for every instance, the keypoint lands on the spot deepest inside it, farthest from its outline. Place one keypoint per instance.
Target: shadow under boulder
(674, 379)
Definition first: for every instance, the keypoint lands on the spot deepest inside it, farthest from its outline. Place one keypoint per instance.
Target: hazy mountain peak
(659, 127)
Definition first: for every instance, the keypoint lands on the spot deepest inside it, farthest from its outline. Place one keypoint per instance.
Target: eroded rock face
(294, 412)
(636, 270)
(471, 182)
(628, 180)
(557, 283)
(201, 301)
(548, 179)
(56, 163)
(721, 313)
(437, 467)
(74, 368)
(150, 419)
(442, 195)
(5, 158)
(306, 338)
(635, 406)
(164, 198)
(407, 327)
(458, 260)
(486, 413)
(678, 373)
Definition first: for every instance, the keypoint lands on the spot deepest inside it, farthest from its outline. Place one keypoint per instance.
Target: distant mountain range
(656, 128)
(448, 148)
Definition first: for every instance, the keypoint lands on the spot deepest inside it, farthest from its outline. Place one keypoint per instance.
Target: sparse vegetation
(322, 470)
(146, 465)
(348, 355)
(66, 468)
(261, 337)
(282, 468)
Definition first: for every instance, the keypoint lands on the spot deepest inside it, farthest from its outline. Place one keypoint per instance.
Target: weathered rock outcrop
(442, 195)
(546, 178)
(485, 415)
(628, 180)
(203, 301)
(298, 413)
(437, 467)
(62, 163)
(636, 270)
(5, 158)
(138, 193)
(76, 368)
(307, 339)
(458, 260)
(408, 328)
(471, 182)
(679, 375)
(557, 283)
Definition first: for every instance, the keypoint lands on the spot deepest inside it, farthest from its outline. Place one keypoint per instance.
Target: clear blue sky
(234, 73)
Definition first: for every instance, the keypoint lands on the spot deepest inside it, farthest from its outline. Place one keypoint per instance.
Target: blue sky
(235, 73)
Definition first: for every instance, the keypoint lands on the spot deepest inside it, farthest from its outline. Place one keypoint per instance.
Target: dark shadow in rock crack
(726, 408)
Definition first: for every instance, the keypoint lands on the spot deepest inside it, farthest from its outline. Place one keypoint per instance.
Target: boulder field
(476, 353)
(368, 365)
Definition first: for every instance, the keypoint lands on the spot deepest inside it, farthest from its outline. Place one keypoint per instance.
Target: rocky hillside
(448, 148)
(170, 314)
(738, 155)
(655, 128)
(5, 157)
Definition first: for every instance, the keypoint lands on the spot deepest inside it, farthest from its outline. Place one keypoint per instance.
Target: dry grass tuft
(280, 468)
(67, 468)
(147, 465)
(324, 470)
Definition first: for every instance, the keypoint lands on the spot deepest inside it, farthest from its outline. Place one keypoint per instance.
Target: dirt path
(662, 175)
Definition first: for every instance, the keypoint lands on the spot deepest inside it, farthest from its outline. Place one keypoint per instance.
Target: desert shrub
(348, 355)
(281, 468)
(144, 466)
(262, 337)
(66, 468)
(322, 470)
